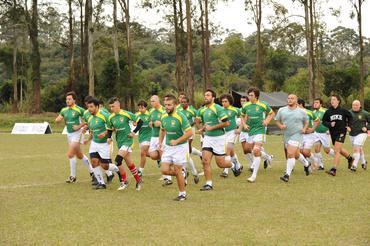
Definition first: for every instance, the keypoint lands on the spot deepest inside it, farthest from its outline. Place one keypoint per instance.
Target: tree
(357, 5)
(89, 30)
(190, 62)
(255, 6)
(32, 23)
(115, 37)
(71, 79)
(206, 62)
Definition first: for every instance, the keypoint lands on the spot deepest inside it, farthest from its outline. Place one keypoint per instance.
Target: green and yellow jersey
(256, 113)
(120, 123)
(98, 124)
(145, 132)
(211, 116)
(319, 114)
(190, 113)
(232, 113)
(156, 114)
(311, 118)
(175, 125)
(72, 116)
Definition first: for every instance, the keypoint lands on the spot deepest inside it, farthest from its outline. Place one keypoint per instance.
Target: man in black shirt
(339, 121)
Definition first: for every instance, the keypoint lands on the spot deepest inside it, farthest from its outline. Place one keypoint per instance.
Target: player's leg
(229, 151)
(363, 160)
(256, 151)
(206, 161)
(144, 153)
(190, 163)
(71, 155)
(292, 152)
(126, 151)
(247, 149)
(357, 142)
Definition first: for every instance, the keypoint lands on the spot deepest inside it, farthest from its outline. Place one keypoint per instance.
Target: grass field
(37, 207)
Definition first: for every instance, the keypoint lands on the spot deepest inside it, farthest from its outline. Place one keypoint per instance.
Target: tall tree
(179, 54)
(255, 6)
(32, 23)
(190, 62)
(89, 30)
(71, 79)
(357, 5)
(115, 37)
(82, 49)
(206, 63)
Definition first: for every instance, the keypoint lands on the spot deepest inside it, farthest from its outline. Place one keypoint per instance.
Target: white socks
(72, 165)
(234, 159)
(266, 156)
(249, 157)
(141, 169)
(331, 153)
(303, 160)
(196, 152)
(192, 167)
(318, 159)
(209, 182)
(256, 165)
(356, 157)
(362, 158)
(167, 177)
(87, 163)
(98, 175)
(226, 170)
(108, 172)
(113, 168)
(290, 165)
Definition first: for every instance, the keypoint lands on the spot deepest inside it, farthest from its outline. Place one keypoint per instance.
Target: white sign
(32, 128)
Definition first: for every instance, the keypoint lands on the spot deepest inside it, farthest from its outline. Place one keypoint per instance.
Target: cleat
(364, 166)
(110, 178)
(267, 162)
(224, 175)
(139, 173)
(353, 169)
(123, 185)
(350, 162)
(236, 172)
(196, 179)
(307, 170)
(251, 180)
(138, 185)
(180, 198)
(251, 169)
(166, 182)
(206, 187)
(159, 163)
(321, 168)
(94, 182)
(285, 178)
(100, 187)
(241, 168)
(71, 180)
(332, 172)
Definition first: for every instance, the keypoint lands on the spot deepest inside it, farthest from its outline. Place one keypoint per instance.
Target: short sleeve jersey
(211, 116)
(156, 114)
(175, 125)
(98, 124)
(319, 114)
(120, 122)
(294, 119)
(190, 113)
(311, 118)
(232, 114)
(256, 113)
(145, 132)
(72, 116)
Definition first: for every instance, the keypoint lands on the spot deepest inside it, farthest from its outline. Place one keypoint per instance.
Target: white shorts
(153, 146)
(193, 130)
(215, 144)
(126, 148)
(323, 138)
(230, 137)
(243, 137)
(144, 143)
(75, 137)
(293, 143)
(178, 155)
(258, 138)
(358, 140)
(308, 141)
(103, 149)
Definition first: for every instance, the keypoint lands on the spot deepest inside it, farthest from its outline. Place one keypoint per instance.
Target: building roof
(274, 99)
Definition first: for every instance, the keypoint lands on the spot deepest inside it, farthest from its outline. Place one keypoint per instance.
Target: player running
(358, 133)
(145, 133)
(256, 115)
(72, 115)
(214, 119)
(155, 123)
(120, 120)
(339, 121)
(175, 128)
(231, 131)
(294, 122)
(309, 137)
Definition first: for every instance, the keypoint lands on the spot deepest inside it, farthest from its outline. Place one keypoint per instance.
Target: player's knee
(256, 151)
(119, 160)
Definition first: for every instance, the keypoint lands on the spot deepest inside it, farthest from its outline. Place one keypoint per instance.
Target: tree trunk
(179, 58)
(190, 64)
(81, 2)
(71, 79)
(258, 74)
(90, 54)
(35, 56)
(311, 52)
(362, 67)
(183, 46)
(14, 73)
(205, 44)
(308, 56)
(115, 37)
(86, 45)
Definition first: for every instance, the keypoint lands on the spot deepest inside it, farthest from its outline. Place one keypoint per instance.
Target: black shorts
(97, 156)
(338, 137)
(209, 149)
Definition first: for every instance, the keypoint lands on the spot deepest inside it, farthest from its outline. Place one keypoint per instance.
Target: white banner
(32, 128)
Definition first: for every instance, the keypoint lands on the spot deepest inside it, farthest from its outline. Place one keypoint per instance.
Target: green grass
(37, 207)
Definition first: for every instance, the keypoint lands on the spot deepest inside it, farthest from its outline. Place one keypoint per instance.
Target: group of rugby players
(165, 134)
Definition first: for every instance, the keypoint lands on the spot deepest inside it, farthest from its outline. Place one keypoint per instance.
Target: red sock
(123, 176)
(134, 172)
